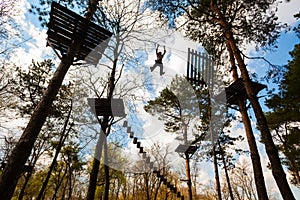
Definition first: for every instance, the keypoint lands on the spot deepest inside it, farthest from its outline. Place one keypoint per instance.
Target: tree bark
(102, 138)
(226, 172)
(70, 183)
(106, 171)
(254, 154)
(271, 150)
(95, 168)
(62, 139)
(22, 192)
(188, 175)
(187, 161)
(22, 150)
(93, 180)
(147, 187)
(217, 178)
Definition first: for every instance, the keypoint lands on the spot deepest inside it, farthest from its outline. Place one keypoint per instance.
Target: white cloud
(287, 10)
(32, 39)
(174, 63)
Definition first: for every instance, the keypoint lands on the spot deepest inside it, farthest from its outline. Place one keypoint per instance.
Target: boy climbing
(158, 61)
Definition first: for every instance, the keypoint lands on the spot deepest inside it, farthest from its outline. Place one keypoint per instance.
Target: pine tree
(229, 24)
(285, 116)
(22, 150)
(180, 106)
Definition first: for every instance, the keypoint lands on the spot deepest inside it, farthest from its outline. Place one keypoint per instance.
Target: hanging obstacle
(66, 26)
(150, 164)
(200, 68)
(237, 89)
(107, 107)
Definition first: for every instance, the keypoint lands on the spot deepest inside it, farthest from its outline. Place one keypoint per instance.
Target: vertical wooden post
(188, 64)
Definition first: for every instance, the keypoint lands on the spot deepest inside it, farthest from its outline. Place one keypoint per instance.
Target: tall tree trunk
(60, 181)
(29, 174)
(217, 178)
(93, 179)
(271, 150)
(70, 183)
(187, 162)
(95, 167)
(188, 175)
(106, 171)
(254, 154)
(146, 179)
(22, 150)
(105, 132)
(226, 171)
(157, 189)
(61, 142)
(22, 191)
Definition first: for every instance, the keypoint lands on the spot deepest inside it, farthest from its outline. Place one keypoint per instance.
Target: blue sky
(36, 48)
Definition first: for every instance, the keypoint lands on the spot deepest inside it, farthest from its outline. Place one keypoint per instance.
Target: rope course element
(200, 68)
(237, 89)
(150, 163)
(66, 26)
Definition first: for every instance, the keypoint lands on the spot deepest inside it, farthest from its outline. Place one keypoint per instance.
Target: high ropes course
(151, 164)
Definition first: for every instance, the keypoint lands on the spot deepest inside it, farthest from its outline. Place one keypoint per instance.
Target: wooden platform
(237, 88)
(107, 107)
(189, 149)
(66, 26)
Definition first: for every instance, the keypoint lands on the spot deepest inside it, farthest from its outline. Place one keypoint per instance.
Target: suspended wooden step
(107, 107)
(66, 26)
(200, 68)
(150, 164)
(125, 123)
(237, 88)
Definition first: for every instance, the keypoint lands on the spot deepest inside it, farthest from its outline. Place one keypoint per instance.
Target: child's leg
(161, 69)
(153, 67)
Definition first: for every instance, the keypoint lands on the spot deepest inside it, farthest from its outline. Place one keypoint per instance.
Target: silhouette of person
(158, 61)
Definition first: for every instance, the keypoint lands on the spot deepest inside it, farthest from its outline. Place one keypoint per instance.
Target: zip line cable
(17, 45)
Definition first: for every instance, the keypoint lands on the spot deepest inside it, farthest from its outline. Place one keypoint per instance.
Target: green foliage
(66, 170)
(227, 143)
(30, 84)
(168, 107)
(297, 28)
(249, 21)
(286, 103)
(178, 104)
(285, 115)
